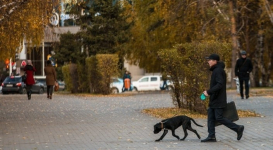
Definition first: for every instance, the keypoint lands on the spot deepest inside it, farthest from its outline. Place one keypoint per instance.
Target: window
(153, 79)
(144, 79)
(115, 80)
(16, 79)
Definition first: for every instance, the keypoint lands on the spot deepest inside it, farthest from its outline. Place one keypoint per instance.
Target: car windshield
(116, 80)
(13, 79)
(144, 79)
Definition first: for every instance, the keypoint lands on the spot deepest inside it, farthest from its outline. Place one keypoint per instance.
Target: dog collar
(162, 125)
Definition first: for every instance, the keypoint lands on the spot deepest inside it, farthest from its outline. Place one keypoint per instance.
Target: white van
(150, 83)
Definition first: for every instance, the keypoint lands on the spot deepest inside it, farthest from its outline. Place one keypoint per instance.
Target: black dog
(173, 123)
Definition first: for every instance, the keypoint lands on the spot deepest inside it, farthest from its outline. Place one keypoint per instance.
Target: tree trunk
(255, 75)
(261, 62)
(234, 42)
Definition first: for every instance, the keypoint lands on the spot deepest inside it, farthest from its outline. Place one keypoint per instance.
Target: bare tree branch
(15, 5)
(219, 10)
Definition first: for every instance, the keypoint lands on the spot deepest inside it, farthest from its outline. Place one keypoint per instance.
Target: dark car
(14, 84)
(43, 80)
(61, 85)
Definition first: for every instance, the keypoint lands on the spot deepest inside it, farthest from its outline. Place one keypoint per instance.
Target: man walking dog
(218, 100)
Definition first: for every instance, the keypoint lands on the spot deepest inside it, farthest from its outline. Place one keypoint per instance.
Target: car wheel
(114, 91)
(134, 89)
(4, 93)
(23, 91)
(41, 91)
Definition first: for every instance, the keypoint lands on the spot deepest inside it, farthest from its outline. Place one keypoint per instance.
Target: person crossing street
(218, 100)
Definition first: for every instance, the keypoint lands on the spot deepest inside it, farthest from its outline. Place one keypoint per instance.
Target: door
(154, 83)
(143, 84)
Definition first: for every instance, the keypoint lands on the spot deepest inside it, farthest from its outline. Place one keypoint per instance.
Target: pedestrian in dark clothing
(50, 78)
(218, 100)
(29, 71)
(126, 76)
(164, 78)
(1, 79)
(130, 75)
(242, 69)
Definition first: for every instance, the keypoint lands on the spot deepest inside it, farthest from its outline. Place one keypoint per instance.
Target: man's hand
(206, 93)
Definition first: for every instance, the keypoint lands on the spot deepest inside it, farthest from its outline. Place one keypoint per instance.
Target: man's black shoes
(209, 139)
(247, 97)
(213, 138)
(240, 132)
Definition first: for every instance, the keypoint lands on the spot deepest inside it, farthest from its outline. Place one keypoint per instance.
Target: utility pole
(10, 66)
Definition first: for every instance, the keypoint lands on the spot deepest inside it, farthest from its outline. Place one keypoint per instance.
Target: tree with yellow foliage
(162, 24)
(22, 19)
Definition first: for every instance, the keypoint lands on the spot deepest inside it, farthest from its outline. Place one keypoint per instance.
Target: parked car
(117, 85)
(61, 85)
(14, 84)
(150, 83)
(43, 80)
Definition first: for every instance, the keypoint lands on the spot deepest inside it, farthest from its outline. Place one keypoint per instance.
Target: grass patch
(265, 91)
(164, 113)
(262, 92)
(247, 113)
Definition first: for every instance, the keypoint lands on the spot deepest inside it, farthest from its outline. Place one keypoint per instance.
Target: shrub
(189, 71)
(94, 77)
(82, 77)
(107, 66)
(74, 78)
(67, 77)
(92, 74)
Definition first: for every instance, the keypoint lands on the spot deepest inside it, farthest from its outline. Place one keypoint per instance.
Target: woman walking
(29, 71)
(50, 78)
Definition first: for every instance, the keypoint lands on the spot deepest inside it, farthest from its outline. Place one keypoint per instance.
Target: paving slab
(71, 122)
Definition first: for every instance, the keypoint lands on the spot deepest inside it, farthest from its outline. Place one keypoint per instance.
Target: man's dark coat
(217, 91)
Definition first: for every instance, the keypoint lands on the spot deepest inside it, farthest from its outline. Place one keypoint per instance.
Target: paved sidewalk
(107, 123)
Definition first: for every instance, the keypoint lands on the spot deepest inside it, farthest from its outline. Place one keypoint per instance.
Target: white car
(150, 83)
(117, 85)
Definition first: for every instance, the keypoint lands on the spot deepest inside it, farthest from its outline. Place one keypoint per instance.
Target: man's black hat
(243, 52)
(213, 57)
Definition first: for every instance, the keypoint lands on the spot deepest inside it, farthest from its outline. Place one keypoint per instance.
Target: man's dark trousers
(242, 81)
(216, 114)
